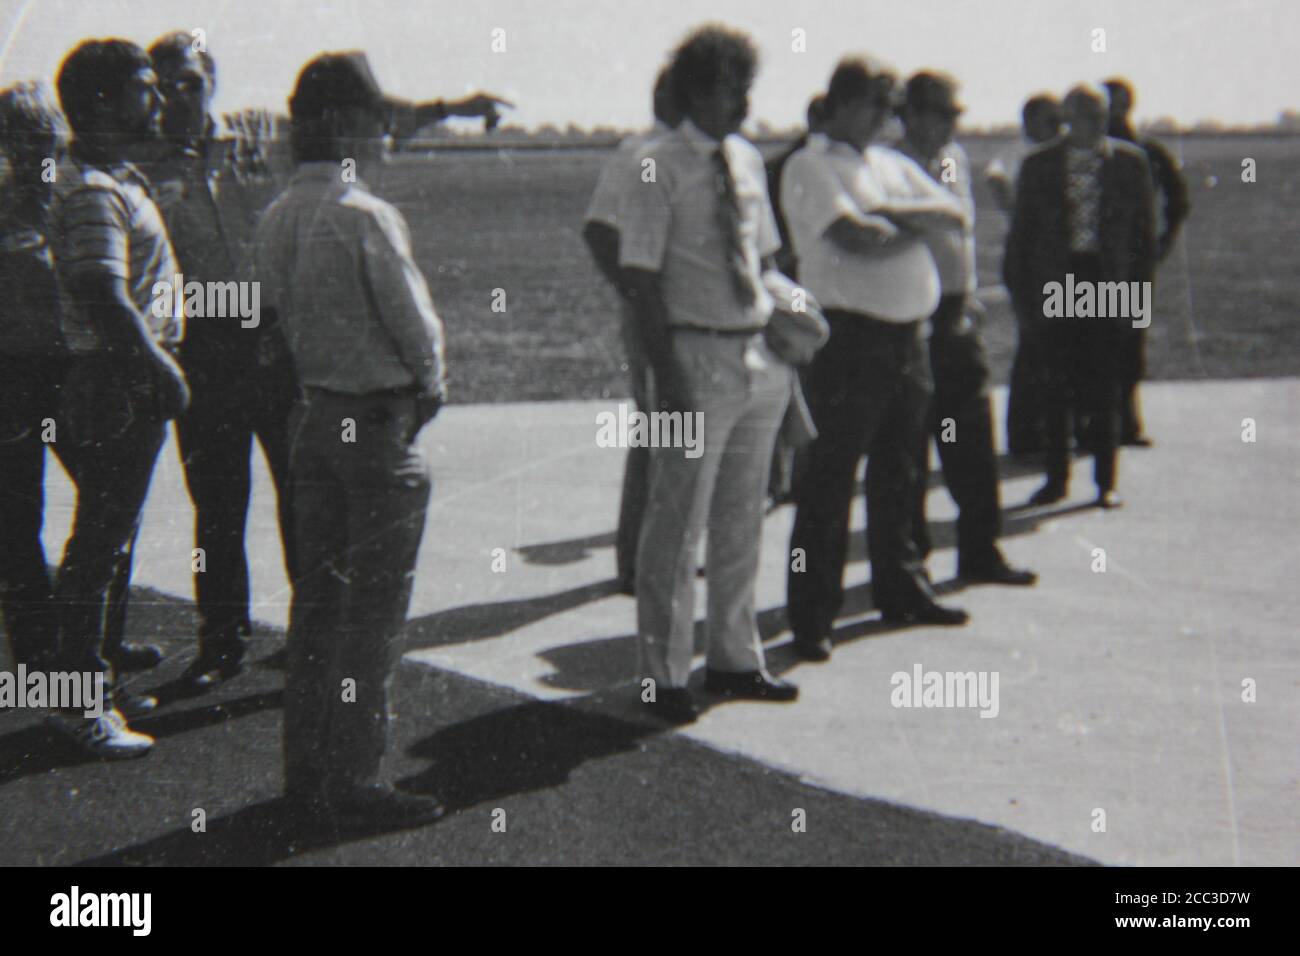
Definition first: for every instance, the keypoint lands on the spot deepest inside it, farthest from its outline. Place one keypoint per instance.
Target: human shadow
(478, 622)
(568, 551)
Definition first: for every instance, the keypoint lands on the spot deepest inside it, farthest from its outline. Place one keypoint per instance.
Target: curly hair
(95, 72)
(28, 114)
(710, 55)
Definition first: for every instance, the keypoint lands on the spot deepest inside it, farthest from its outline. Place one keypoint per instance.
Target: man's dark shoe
(137, 657)
(674, 705)
(750, 685)
(213, 667)
(1049, 494)
(925, 612)
(817, 651)
(377, 807)
(996, 572)
(1138, 441)
(1109, 500)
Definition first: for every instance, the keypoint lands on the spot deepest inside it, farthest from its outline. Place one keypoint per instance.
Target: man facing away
(620, 174)
(961, 411)
(122, 383)
(858, 215)
(1173, 207)
(693, 240)
(1083, 216)
(335, 264)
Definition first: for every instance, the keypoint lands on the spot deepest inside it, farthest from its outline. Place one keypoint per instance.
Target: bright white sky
(592, 62)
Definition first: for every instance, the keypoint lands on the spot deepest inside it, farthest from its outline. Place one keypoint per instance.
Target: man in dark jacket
(1083, 217)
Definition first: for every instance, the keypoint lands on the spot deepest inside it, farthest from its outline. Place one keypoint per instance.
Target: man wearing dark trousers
(601, 233)
(123, 384)
(31, 368)
(335, 263)
(961, 412)
(239, 372)
(1084, 214)
(858, 214)
(1173, 207)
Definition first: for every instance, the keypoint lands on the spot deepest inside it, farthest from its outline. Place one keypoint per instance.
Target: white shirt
(828, 180)
(953, 248)
(620, 173)
(670, 225)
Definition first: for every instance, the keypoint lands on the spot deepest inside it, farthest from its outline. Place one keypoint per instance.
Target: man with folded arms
(335, 264)
(957, 361)
(858, 214)
(692, 244)
(122, 382)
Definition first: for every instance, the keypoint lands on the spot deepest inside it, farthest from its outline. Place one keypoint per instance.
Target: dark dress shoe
(996, 572)
(1138, 441)
(213, 667)
(750, 685)
(674, 705)
(1109, 500)
(1049, 494)
(927, 612)
(137, 657)
(377, 806)
(816, 650)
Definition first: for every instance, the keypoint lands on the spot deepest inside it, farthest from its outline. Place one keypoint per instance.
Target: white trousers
(742, 389)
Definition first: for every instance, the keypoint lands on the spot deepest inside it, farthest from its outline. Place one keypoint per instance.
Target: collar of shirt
(321, 171)
(698, 140)
(122, 171)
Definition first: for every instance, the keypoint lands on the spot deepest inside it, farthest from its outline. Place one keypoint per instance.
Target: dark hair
(1039, 104)
(665, 103)
(28, 111)
(855, 78)
(816, 114)
(1116, 83)
(708, 56)
(94, 73)
(175, 47)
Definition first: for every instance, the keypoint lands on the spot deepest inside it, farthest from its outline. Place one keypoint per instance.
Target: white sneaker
(105, 738)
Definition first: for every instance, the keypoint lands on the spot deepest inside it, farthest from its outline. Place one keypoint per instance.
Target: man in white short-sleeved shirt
(693, 240)
(859, 215)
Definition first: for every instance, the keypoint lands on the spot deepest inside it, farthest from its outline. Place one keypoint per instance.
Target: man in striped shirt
(123, 385)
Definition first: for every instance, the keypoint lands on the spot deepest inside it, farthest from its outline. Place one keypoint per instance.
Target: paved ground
(1119, 691)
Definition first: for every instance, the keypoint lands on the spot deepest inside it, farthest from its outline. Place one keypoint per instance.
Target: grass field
(1226, 298)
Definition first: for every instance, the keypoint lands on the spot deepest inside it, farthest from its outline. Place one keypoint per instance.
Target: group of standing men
(881, 239)
(335, 377)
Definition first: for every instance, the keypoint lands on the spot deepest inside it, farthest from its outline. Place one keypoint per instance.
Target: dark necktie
(729, 221)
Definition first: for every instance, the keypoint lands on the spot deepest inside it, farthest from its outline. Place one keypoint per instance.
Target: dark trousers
(110, 443)
(29, 396)
(230, 406)
(1083, 377)
(636, 467)
(1132, 369)
(962, 410)
(1025, 394)
(868, 390)
(358, 510)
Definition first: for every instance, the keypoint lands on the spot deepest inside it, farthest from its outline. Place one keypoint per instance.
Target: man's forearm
(646, 297)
